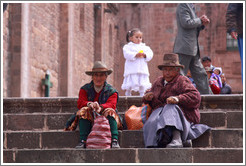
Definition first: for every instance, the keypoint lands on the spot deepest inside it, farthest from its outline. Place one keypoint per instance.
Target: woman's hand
(148, 96)
(172, 100)
(95, 106)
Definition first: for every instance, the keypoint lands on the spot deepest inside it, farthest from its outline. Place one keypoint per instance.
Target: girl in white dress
(137, 55)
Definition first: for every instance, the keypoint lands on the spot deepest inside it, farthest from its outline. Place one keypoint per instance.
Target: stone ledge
(219, 138)
(55, 121)
(126, 155)
(67, 104)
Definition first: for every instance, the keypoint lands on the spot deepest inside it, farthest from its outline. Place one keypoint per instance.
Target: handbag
(100, 135)
(135, 117)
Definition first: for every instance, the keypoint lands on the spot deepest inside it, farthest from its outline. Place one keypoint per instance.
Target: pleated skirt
(170, 115)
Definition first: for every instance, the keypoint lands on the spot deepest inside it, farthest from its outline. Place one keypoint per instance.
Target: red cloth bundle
(100, 135)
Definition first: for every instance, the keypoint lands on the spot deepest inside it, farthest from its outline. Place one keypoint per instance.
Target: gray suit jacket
(189, 25)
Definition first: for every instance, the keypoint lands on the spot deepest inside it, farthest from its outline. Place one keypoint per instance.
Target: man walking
(186, 44)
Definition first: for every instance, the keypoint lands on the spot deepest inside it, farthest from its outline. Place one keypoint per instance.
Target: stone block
(218, 155)
(132, 139)
(20, 140)
(230, 138)
(57, 121)
(203, 140)
(119, 156)
(235, 119)
(165, 155)
(68, 104)
(213, 119)
(50, 105)
(8, 156)
(13, 105)
(24, 122)
(222, 102)
(59, 139)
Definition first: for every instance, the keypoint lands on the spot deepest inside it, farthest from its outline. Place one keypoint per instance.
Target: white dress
(136, 72)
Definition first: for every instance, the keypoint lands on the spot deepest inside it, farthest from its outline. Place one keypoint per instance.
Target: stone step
(215, 138)
(125, 155)
(56, 121)
(66, 104)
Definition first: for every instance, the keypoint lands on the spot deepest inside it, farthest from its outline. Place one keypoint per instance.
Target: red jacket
(181, 87)
(83, 100)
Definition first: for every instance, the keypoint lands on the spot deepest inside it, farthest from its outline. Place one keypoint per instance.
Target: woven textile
(136, 116)
(100, 135)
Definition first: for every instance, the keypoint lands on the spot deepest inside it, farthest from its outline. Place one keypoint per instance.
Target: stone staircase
(33, 133)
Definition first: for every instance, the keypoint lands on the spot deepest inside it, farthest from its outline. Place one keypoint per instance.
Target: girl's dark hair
(131, 33)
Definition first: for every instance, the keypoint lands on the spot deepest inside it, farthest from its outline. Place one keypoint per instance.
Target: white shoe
(174, 144)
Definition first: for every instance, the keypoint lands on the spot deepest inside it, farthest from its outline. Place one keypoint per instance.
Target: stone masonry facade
(66, 38)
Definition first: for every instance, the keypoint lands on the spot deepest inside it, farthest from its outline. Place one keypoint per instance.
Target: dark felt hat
(99, 67)
(170, 60)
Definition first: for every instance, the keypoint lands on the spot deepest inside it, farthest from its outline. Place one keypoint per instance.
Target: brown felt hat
(99, 67)
(170, 60)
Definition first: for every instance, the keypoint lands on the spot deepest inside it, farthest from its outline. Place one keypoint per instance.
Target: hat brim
(92, 72)
(161, 66)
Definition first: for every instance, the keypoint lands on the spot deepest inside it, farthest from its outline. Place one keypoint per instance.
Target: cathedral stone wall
(66, 38)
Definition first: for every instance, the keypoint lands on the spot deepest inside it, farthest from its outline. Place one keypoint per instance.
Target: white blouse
(135, 65)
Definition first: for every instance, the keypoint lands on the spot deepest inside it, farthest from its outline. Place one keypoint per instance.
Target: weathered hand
(172, 100)
(148, 96)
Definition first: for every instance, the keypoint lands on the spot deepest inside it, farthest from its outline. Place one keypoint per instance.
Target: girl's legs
(141, 91)
(128, 92)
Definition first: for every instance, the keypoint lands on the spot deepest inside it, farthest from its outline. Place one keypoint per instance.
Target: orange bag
(135, 117)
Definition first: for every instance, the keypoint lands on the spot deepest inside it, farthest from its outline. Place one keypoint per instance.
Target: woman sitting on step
(100, 96)
(175, 102)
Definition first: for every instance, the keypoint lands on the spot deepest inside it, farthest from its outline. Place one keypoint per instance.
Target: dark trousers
(197, 71)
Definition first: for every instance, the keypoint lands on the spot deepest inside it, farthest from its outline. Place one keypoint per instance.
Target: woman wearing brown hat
(100, 96)
(175, 102)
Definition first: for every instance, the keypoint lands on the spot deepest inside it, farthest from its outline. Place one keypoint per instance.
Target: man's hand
(204, 20)
(148, 96)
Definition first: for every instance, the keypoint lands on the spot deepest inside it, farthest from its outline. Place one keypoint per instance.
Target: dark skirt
(170, 115)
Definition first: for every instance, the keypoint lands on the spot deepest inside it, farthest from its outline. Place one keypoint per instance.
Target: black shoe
(81, 145)
(163, 138)
(115, 144)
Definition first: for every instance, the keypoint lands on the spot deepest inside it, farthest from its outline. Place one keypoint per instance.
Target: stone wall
(67, 38)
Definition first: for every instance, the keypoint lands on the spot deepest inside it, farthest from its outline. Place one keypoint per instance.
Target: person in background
(207, 62)
(100, 96)
(137, 55)
(213, 83)
(217, 71)
(190, 78)
(234, 25)
(186, 44)
(175, 103)
(226, 89)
